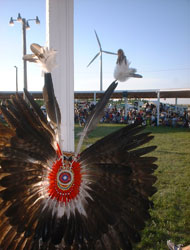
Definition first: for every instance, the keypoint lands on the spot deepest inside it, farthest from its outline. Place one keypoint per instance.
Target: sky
(155, 36)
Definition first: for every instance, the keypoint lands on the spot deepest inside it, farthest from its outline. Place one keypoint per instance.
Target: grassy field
(170, 217)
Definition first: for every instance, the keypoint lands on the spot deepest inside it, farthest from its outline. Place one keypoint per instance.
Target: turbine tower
(100, 54)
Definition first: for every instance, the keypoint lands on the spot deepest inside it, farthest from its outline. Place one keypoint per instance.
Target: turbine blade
(107, 52)
(93, 59)
(98, 40)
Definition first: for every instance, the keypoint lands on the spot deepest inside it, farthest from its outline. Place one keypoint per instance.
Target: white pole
(101, 71)
(176, 101)
(16, 78)
(158, 107)
(59, 31)
(95, 98)
(176, 104)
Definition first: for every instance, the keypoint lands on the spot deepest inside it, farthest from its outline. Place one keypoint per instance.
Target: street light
(25, 26)
(16, 78)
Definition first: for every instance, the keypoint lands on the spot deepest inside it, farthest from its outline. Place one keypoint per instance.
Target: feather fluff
(43, 56)
(122, 71)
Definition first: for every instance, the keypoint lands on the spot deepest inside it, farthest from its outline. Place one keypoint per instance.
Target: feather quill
(46, 58)
(96, 115)
(39, 112)
(52, 106)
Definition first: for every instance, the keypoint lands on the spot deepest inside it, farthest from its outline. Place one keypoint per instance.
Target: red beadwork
(64, 180)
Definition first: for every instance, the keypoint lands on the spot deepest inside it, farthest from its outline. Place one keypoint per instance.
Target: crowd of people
(146, 114)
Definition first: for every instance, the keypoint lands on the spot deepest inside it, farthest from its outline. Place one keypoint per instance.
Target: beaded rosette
(64, 178)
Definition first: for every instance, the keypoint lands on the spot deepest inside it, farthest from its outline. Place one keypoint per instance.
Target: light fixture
(27, 25)
(37, 20)
(11, 22)
(19, 18)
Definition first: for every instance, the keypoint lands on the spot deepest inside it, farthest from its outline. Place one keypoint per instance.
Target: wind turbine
(100, 54)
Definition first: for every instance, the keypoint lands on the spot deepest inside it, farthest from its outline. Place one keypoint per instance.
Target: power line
(166, 70)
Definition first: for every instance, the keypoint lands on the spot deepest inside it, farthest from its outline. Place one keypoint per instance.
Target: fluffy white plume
(42, 55)
(48, 62)
(122, 70)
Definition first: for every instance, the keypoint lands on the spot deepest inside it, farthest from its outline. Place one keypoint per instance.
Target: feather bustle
(117, 178)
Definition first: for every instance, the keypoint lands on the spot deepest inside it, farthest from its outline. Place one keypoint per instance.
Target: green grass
(170, 217)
